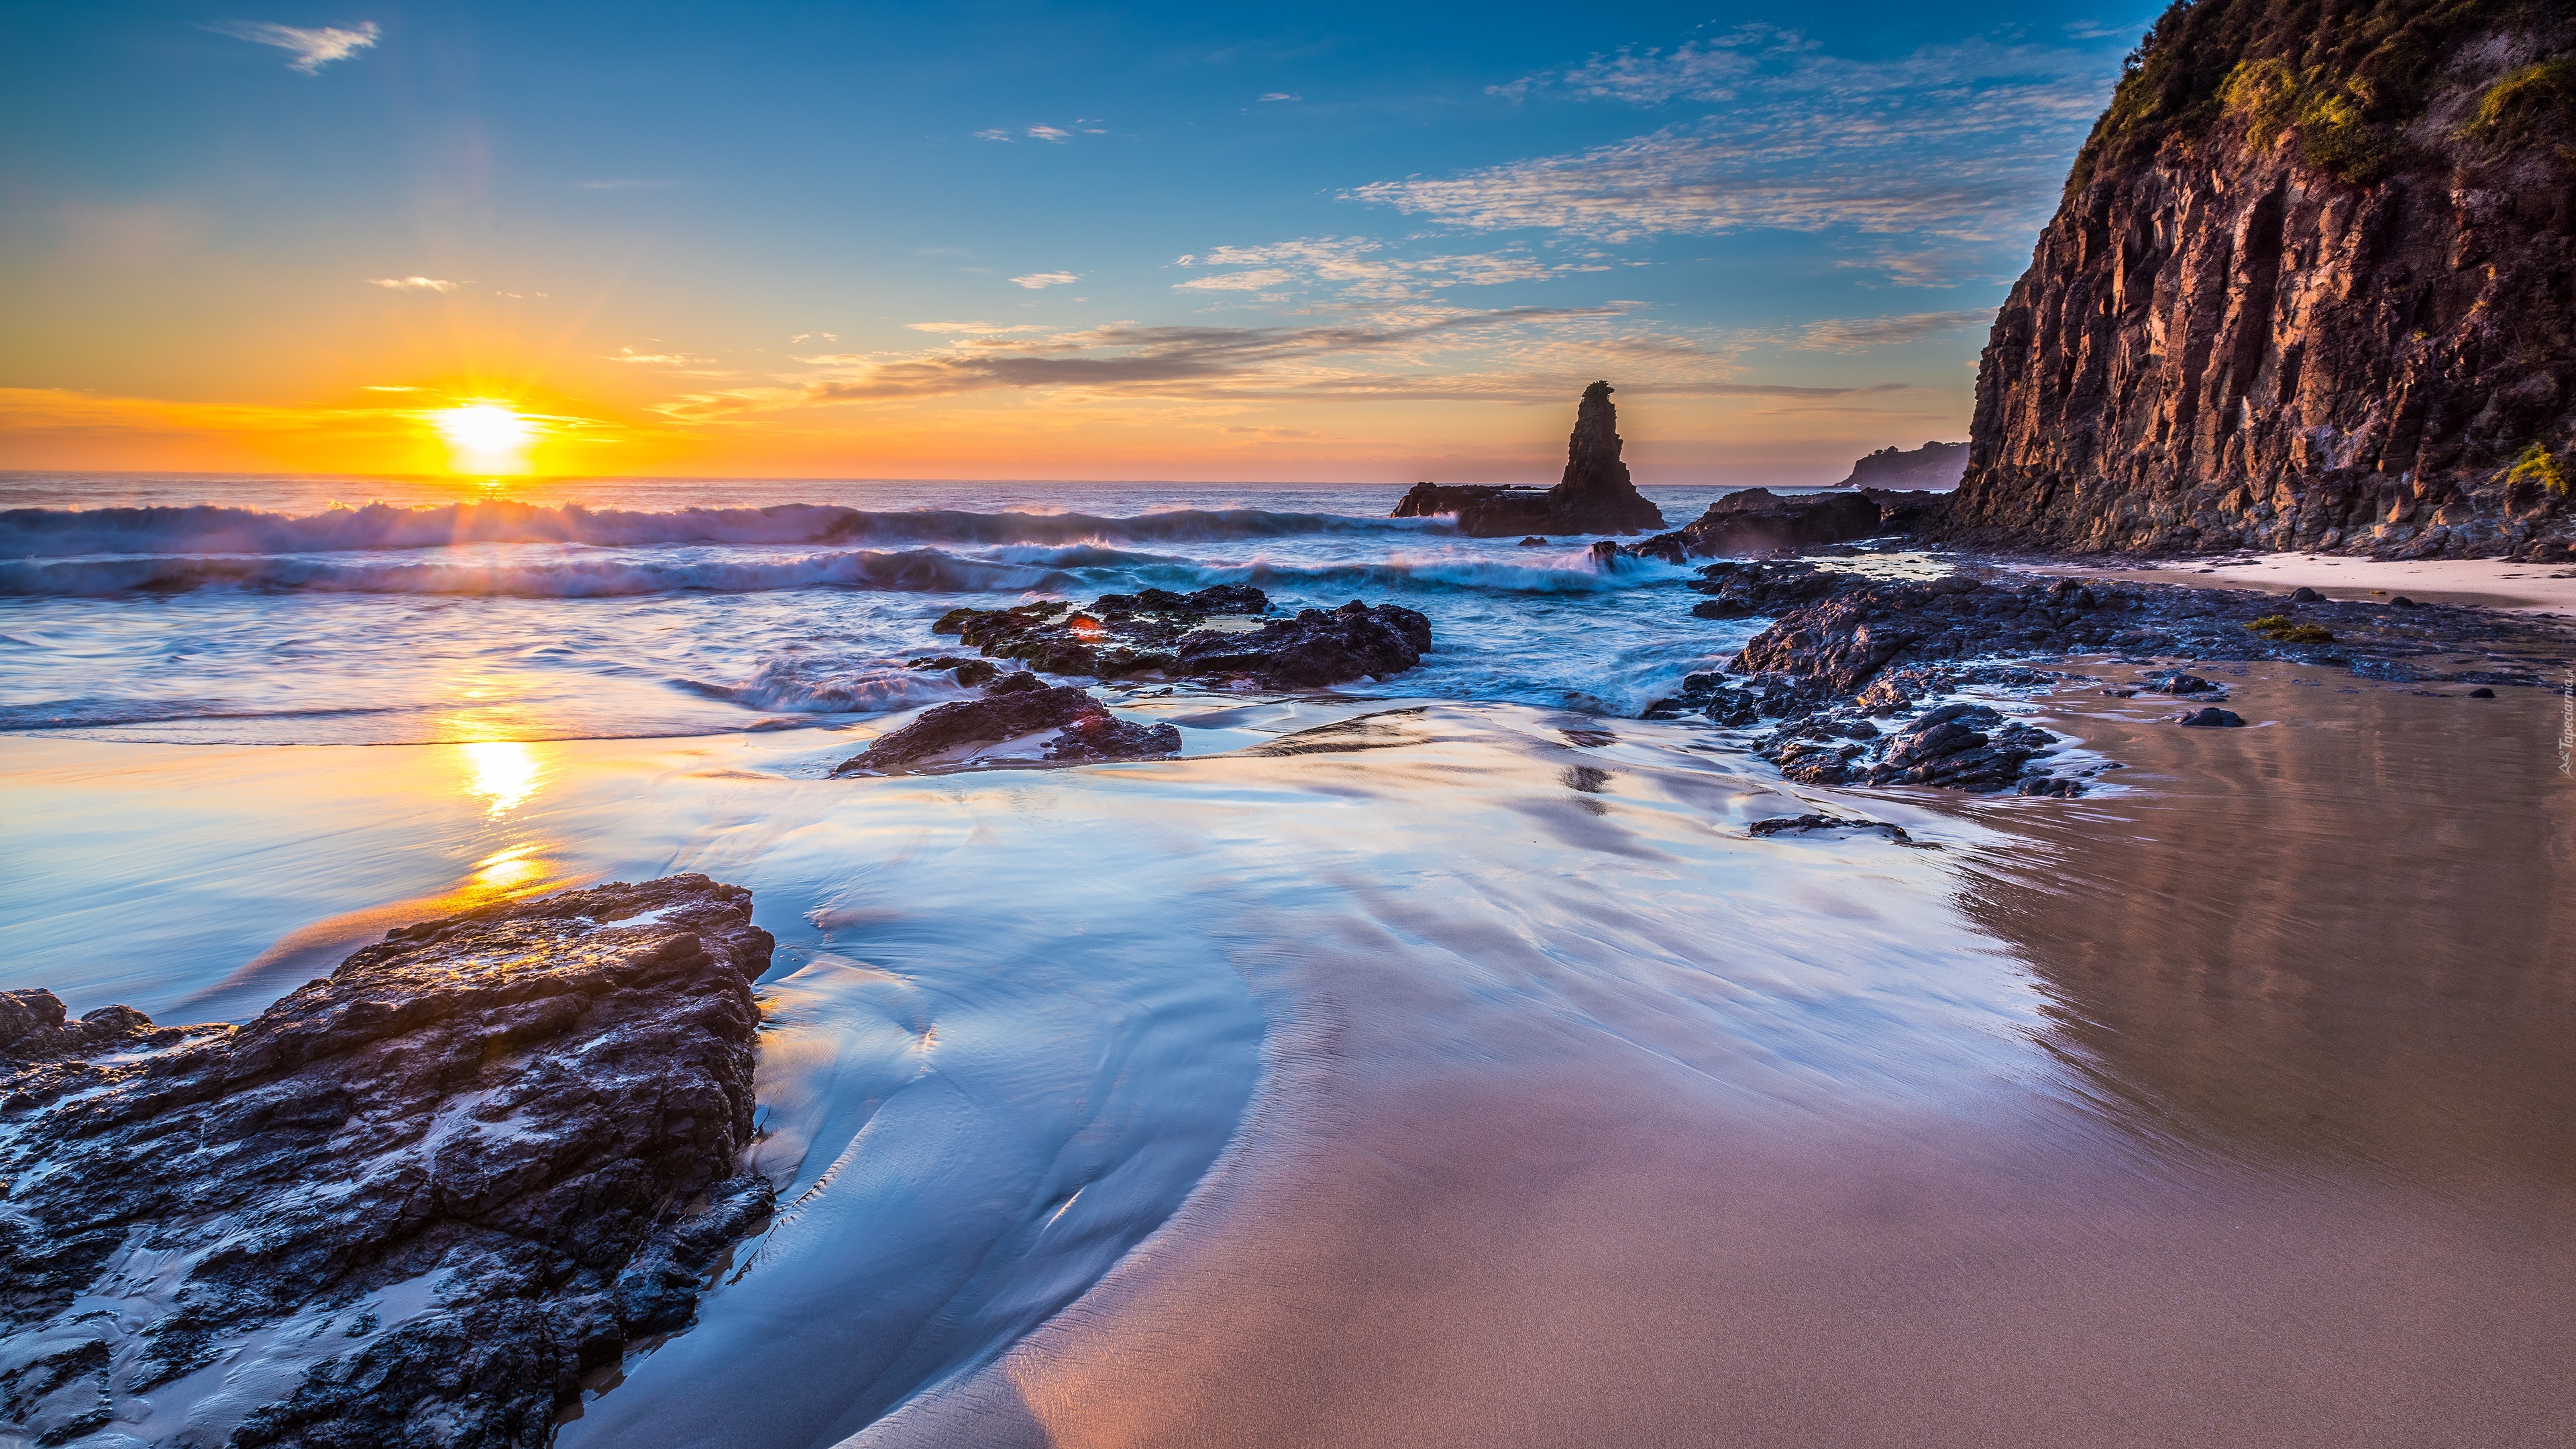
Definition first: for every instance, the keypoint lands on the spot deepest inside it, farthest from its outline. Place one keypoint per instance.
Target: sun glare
(485, 438)
(502, 773)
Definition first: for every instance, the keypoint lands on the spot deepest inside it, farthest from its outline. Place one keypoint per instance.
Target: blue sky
(1367, 242)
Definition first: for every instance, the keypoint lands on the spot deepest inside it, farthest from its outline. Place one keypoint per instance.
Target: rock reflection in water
(2342, 939)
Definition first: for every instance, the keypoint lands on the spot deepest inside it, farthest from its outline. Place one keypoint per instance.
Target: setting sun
(485, 438)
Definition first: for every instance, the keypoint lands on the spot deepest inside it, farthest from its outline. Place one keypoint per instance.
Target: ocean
(278, 611)
(1441, 1053)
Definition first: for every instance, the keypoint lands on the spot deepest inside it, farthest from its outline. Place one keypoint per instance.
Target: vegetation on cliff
(2347, 79)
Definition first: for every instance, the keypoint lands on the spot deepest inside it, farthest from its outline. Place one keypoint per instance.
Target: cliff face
(2312, 285)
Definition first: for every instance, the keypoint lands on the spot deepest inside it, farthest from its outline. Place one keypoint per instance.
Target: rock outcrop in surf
(1755, 521)
(414, 1202)
(1014, 706)
(1217, 633)
(1594, 496)
(2312, 285)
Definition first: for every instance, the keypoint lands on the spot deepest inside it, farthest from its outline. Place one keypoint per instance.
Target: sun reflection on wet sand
(508, 872)
(504, 773)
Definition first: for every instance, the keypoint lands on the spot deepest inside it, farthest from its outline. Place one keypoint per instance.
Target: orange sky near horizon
(399, 433)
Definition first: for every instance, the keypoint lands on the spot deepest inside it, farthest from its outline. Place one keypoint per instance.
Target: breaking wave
(801, 684)
(916, 571)
(605, 574)
(58, 533)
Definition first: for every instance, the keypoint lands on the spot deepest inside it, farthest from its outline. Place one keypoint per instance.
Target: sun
(485, 438)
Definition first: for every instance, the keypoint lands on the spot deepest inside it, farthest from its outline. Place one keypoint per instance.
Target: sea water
(1086, 1039)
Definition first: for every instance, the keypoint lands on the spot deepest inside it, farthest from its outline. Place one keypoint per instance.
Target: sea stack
(1594, 496)
(2312, 285)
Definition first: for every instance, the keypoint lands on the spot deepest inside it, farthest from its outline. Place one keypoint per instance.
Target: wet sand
(2485, 582)
(2292, 1159)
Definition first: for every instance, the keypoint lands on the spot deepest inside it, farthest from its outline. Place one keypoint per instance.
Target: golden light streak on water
(503, 773)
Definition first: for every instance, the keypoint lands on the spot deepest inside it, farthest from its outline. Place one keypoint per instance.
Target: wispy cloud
(979, 328)
(1858, 334)
(1965, 141)
(992, 133)
(314, 46)
(1035, 280)
(1367, 269)
(1057, 134)
(1129, 359)
(1282, 96)
(653, 359)
(810, 336)
(418, 284)
(1264, 280)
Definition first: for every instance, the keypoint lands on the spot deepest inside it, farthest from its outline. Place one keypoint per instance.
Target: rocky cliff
(2312, 284)
(1934, 465)
(1595, 495)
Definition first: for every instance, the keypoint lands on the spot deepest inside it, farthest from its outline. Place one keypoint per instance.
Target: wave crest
(58, 533)
(926, 571)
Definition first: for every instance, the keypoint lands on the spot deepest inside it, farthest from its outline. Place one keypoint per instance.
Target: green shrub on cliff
(2346, 78)
(2537, 466)
(2329, 116)
(2527, 101)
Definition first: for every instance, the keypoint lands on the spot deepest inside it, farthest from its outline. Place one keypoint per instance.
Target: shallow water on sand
(1014, 1017)
(2286, 1159)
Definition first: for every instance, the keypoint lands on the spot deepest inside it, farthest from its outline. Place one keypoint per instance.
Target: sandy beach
(2485, 582)
(2285, 1167)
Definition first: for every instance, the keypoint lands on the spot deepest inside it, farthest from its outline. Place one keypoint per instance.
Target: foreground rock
(1121, 635)
(434, 1190)
(2308, 288)
(1594, 496)
(1016, 705)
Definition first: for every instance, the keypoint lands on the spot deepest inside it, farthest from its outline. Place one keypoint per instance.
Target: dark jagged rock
(1957, 746)
(1015, 705)
(1844, 647)
(1117, 636)
(1934, 466)
(1316, 648)
(35, 1028)
(1156, 630)
(1801, 824)
(475, 1163)
(1756, 521)
(2174, 681)
(2312, 285)
(1908, 513)
(968, 672)
(1594, 496)
(2211, 717)
(1104, 736)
